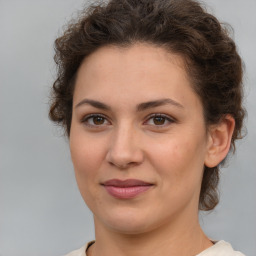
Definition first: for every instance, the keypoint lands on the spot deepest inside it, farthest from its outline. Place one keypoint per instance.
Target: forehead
(141, 72)
(139, 56)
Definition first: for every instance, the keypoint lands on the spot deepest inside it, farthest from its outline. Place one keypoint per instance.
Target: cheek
(180, 159)
(84, 158)
(86, 151)
(86, 161)
(87, 155)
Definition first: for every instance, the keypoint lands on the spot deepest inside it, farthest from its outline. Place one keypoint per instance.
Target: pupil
(159, 120)
(98, 120)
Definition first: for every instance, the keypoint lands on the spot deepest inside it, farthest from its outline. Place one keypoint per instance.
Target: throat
(188, 242)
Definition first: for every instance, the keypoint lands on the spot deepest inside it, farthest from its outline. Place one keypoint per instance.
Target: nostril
(123, 166)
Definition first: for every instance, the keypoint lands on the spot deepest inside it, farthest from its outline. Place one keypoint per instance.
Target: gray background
(41, 211)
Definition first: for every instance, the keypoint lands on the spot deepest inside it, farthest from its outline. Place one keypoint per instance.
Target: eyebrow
(157, 103)
(94, 103)
(140, 107)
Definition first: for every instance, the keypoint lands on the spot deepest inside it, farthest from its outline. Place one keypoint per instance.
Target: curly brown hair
(183, 27)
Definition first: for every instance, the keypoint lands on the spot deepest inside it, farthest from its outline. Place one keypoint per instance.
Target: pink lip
(125, 189)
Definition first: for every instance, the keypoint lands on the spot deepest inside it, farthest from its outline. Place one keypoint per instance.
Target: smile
(126, 189)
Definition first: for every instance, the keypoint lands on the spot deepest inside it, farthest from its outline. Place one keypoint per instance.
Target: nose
(124, 150)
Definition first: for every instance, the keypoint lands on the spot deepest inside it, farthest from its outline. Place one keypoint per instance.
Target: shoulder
(220, 248)
(81, 251)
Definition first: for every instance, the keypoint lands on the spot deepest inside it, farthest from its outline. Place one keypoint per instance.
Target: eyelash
(86, 118)
(166, 118)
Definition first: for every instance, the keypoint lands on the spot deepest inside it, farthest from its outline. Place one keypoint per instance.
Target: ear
(219, 139)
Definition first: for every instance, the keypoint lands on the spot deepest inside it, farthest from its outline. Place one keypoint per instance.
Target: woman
(150, 95)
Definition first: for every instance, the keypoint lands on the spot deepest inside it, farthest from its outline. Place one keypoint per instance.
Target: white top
(220, 248)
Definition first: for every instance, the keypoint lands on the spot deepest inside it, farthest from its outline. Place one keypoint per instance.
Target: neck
(176, 239)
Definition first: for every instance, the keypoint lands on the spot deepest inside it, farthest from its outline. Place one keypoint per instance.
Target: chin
(128, 221)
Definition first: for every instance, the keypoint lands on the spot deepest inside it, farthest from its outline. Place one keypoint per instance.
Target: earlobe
(219, 141)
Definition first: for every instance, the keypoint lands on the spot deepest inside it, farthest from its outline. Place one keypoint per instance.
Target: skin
(169, 151)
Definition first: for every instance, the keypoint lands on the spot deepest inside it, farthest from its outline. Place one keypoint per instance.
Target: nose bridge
(124, 148)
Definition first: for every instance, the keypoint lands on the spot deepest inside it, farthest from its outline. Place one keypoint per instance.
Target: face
(138, 140)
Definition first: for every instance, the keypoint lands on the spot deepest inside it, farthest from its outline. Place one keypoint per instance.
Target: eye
(94, 120)
(159, 120)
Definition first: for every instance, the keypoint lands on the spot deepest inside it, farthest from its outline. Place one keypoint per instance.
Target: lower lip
(127, 192)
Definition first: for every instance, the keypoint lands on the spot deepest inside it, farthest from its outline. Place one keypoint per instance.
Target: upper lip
(126, 183)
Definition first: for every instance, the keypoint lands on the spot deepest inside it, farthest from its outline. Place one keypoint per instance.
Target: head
(195, 42)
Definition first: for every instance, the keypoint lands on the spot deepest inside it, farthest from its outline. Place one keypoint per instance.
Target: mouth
(126, 189)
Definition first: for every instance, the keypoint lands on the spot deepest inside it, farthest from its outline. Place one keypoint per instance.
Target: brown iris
(98, 120)
(158, 120)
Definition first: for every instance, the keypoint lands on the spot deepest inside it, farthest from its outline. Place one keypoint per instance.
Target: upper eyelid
(93, 115)
(161, 115)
